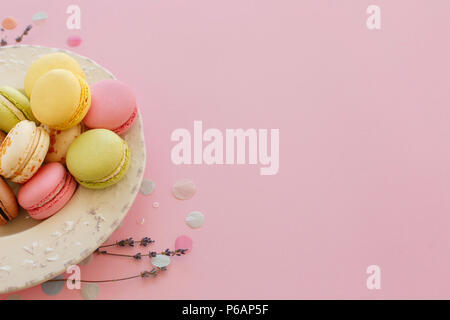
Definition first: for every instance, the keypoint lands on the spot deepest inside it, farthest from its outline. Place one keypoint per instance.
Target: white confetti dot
(161, 261)
(184, 189)
(195, 219)
(147, 187)
(90, 291)
(155, 204)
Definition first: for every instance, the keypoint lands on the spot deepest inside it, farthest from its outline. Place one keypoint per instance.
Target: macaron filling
(11, 107)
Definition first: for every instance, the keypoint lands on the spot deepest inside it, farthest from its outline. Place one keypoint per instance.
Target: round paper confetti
(183, 189)
(147, 187)
(52, 288)
(73, 41)
(9, 23)
(183, 242)
(87, 260)
(39, 16)
(14, 297)
(160, 261)
(195, 219)
(155, 204)
(90, 291)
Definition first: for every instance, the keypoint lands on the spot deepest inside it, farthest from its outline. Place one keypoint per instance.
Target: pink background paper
(364, 119)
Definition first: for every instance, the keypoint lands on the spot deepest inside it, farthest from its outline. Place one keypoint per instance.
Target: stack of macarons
(60, 132)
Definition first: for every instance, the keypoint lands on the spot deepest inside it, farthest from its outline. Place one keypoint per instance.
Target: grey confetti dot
(184, 189)
(195, 219)
(87, 260)
(147, 187)
(52, 288)
(90, 291)
(14, 297)
(160, 261)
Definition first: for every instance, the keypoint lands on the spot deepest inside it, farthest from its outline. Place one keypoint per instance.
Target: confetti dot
(160, 261)
(9, 23)
(195, 219)
(14, 297)
(147, 187)
(52, 288)
(39, 16)
(73, 41)
(155, 204)
(90, 291)
(183, 189)
(183, 242)
(87, 260)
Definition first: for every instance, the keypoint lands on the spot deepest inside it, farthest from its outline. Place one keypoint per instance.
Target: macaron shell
(8, 203)
(19, 100)
(57, 60)
(60, 142)
(59, 202)
(47, 192)
(95, 155)
(113, 106)
(17, 146)
(113, 180)
(36, 159)
(23, 151)
(7, 118)
(60, 99)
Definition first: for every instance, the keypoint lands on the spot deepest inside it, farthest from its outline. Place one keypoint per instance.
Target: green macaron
(14, 107)
(98, 158)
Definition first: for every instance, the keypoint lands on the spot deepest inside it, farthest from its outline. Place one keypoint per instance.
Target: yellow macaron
(60, 99)
(44, 64)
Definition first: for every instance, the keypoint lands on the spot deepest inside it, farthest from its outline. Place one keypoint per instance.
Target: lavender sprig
(130, 243)
(151, 254)
(144, 274)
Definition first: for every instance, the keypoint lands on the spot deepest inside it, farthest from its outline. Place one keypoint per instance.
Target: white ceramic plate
(32, 252)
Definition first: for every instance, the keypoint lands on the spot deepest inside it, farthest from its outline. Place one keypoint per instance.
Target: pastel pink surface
(364, 143)
(113, 106)
(47, 192)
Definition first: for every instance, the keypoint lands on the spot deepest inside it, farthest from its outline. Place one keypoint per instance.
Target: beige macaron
(23, 151)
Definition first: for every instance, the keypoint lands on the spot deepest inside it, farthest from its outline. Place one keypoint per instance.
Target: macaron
(8, 203)
(23, 151)
(60, 99)
(60, 142)
(57, 60)
(14, 107)
(47, 192)
(98, 158)
(113, 106)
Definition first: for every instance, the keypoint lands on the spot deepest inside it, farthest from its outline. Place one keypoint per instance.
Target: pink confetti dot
(73, 41)
(9, 23)
(183, 242)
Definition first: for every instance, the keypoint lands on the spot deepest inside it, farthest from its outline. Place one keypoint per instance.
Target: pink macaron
(113, 106)
(47, 192)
